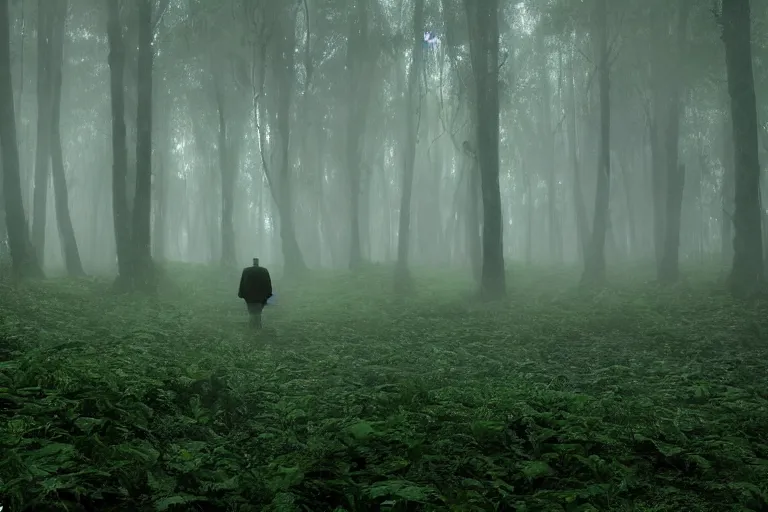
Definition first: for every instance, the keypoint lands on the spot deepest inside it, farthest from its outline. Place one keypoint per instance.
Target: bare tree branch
(162, 8)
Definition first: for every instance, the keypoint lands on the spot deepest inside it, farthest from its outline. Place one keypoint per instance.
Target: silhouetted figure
(255, 289)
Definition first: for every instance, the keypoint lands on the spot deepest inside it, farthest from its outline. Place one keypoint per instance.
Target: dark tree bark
(483, 27)
(42, 152)
(141, 242)
(669, 268)
(61, 195)
(747, 270)
(412, 115)
(120, 211)
(594, 266)
(24, 260)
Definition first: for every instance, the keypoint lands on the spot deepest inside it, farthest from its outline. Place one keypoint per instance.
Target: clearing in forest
(629, 398)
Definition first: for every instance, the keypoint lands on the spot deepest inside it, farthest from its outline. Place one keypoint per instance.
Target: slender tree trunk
(582, 228)
(669, 269)
(466, 97)
(412, 114)
(42, 153)
(119, 148)
(747, 270)
(594, 267)
(660, 69)
(474, 242)
(142, 203)
(286, 42)
(528, 215)
(483, 24)
(22, 37)
(228, 178)
(261, 217)
(161, 193)
(631, 227)
(364, 211)
(358, 53)
(63, 219)
(162, 185)
(547, 154)
(3, 230)
(24, 260)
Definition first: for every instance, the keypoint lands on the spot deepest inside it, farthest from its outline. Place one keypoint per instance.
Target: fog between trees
(500, 235)
(320, 133)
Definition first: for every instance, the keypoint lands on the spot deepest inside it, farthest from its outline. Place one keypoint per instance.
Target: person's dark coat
(255, 285)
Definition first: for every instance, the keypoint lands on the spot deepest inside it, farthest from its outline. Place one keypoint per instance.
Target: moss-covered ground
(627, 398)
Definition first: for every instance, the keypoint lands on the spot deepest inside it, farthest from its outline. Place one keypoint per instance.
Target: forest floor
(629, 398)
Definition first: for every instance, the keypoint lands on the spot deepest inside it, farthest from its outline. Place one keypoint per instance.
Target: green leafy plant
(629, 398)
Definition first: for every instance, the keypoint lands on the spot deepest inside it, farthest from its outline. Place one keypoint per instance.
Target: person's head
(255, 262)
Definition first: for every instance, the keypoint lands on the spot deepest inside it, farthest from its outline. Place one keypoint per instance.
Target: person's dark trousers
(255, 309)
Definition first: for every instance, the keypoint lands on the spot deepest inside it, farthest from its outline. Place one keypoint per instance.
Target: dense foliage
(631, 398)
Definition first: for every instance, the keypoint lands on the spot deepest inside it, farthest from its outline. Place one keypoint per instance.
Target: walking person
(255, 289)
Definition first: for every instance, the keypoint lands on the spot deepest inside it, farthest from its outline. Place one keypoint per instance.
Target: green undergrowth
(631, 397)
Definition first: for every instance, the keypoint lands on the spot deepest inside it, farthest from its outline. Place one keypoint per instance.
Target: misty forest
(516, 249)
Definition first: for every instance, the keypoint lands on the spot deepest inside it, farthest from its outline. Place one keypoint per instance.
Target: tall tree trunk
(262, 218)
(359, 82)
(631, 227)
(412, 115)
(228, 178)
(22, 37)
(669, 269)
(660, 67)
(142, 202)
(119, 147)
(63, 219)
(162, 187)
(594, 267)
(529, 205)
(24, 260)
(3, 230)
(483, 24)
(466, 96)
(161, 193)
(42, 153)
(547, 153)
(747, 270)
(582, 228)
(284, 67)
(474, 241)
